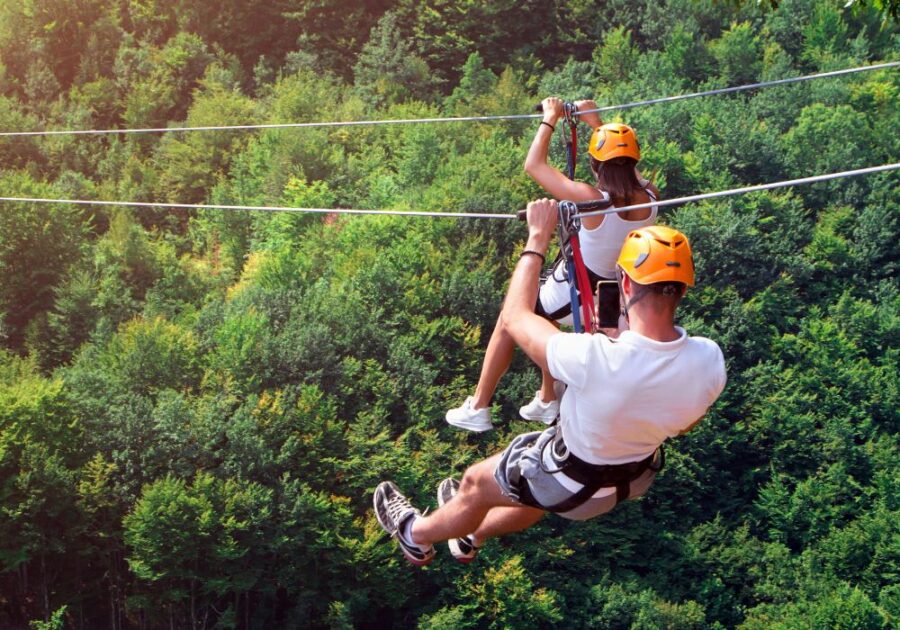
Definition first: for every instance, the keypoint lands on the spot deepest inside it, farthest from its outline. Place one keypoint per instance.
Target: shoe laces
(397, 505)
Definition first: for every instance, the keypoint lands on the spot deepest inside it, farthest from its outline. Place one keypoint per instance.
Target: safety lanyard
(569, 224)
(576, 272)
(571, 140)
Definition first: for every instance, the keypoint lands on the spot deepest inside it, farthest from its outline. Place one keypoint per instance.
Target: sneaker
(392, 510)
(537, 409)
(466, 417)
(463, 549)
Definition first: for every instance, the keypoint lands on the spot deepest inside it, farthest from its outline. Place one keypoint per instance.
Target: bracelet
(526, 252)
(544, 122)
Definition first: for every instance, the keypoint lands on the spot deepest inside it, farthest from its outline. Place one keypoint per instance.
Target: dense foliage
(196, 406)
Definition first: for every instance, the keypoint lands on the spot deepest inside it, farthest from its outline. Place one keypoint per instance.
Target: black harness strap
(592, 477)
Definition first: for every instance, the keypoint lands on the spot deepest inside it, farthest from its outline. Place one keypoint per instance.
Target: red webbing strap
(585, 290)
(574, 130)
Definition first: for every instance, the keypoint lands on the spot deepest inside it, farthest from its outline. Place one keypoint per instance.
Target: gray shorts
(521, 463)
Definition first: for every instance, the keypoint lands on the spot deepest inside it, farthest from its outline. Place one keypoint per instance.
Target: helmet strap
(624, 305)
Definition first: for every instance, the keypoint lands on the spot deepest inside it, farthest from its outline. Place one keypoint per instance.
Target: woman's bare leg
(497, 359)
(547, 392)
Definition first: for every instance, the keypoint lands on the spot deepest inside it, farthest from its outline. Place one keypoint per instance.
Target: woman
(614, 153)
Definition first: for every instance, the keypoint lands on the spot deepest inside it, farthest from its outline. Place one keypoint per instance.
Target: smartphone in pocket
(608, 303)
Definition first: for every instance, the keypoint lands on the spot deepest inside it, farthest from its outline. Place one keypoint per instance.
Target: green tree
(738, 53)
(617, 56)
(37, 244)
(387, 70)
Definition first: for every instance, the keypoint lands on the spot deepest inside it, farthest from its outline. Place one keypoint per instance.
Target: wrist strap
(526, 252)
(544, 122)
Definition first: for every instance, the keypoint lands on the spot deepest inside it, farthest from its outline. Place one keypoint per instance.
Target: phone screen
(608, 303)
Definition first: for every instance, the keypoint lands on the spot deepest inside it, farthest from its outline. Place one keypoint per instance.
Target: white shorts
(554, 298)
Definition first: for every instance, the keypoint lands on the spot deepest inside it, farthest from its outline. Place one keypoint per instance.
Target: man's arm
(531, 332)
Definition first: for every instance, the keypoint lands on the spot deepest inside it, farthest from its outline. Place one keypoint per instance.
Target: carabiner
(569, 110)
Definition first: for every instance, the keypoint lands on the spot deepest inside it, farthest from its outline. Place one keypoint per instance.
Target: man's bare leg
(506, 520)
(478, 495)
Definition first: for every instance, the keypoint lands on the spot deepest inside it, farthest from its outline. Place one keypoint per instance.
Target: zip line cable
(749, 189)
(406, 121)
(464, 215)
(742, 88)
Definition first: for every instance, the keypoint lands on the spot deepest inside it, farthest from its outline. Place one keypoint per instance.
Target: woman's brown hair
(618, 178)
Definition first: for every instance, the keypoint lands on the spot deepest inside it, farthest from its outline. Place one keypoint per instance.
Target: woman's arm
(549, 178)
(591, 119)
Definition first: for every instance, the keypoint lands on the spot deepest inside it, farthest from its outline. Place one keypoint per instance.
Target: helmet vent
(673, 263)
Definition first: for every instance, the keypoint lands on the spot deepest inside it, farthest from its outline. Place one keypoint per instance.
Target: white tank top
(600, 247)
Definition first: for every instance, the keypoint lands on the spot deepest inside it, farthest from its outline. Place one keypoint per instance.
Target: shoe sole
(412, 559)
(543, 419)
(473, 428)
(455, 551)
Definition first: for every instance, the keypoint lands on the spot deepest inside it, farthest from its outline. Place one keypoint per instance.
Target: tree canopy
(196, 406)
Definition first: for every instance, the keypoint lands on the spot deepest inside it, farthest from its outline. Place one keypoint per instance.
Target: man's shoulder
(703, 344)
(708, 359)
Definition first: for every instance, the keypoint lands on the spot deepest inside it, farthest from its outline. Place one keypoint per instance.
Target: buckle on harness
(569, 224)
(558, 449)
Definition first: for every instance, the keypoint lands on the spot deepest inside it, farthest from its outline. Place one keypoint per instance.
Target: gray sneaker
(463, 549)
(392, 510)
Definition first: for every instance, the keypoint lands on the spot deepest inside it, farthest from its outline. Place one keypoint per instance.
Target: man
(624, 397)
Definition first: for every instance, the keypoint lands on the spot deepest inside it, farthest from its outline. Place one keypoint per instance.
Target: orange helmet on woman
(657, 253)
(614, 140)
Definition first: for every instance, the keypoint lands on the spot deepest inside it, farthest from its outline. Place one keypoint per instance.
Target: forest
(196, 405)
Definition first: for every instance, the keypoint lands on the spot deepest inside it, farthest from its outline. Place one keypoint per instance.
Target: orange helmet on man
(614, 140)
(657, 253)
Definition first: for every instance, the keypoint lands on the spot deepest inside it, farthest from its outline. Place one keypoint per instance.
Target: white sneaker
(537, 409)
(466, 417)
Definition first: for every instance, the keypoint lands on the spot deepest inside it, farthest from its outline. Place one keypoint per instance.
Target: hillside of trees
(195, 406)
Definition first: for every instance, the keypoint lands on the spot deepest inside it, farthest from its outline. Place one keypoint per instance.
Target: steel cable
(406, 121)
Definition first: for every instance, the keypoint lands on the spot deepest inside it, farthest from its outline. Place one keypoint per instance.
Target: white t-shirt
(625, 396)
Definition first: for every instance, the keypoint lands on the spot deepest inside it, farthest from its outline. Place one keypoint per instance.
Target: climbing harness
(592, 477)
